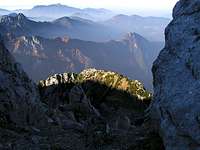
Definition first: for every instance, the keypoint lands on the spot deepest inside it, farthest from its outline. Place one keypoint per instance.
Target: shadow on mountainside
(104, 117)
(96, 92)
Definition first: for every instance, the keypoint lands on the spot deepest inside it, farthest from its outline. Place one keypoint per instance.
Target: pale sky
(123, 5)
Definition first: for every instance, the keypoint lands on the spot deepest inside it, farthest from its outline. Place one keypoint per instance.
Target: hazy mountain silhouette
(107, 24)
(150, 27)
(73, 44)
(55, 11)
(78, 28)
(74, 27)
(4, 11)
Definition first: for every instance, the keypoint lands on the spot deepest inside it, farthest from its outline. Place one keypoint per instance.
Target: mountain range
(151, 28)
(74, 43)
(54, 11)
(77, 28)
(4, 12)
(96, 108)
(117, 25)
(41, 56)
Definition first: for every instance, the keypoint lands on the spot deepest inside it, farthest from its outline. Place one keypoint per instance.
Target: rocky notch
(175, 109)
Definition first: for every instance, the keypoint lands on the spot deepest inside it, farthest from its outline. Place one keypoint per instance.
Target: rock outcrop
(19, 98)
(175, 110)
(21, 111)
(105, 107)
(111, 80)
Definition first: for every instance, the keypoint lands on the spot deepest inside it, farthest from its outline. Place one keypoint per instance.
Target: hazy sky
(123, 5)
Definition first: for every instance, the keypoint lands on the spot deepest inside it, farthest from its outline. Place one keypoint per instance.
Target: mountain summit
(13, 18)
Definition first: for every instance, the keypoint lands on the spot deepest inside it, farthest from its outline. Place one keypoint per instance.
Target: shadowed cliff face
(21, 111)
(175, 108)
(19, 99)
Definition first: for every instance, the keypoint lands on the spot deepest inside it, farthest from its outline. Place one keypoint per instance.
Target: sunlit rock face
(175, 110)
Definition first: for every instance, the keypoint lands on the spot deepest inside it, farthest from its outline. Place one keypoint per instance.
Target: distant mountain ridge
(41, 56)
(55, 11)
(78, 28)
(74, 27)
(150, 27)
(74, 44)
(4, 11)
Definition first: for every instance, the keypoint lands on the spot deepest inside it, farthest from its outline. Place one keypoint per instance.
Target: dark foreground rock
(107, 109)
(91, 110)
(21, 111)
(176, 106)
